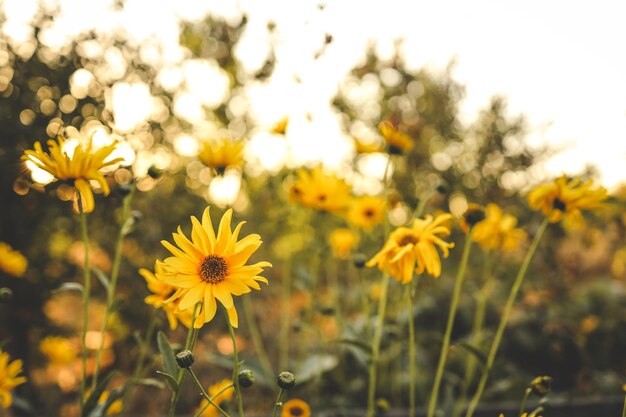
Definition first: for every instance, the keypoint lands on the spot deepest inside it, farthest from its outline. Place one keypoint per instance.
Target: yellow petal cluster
(319, 190)
(497, 231)
(210, 268)
(220, 154)
(564, 199)
(84, 165)
(9, 378)
(58, 350)
(281, 126)
(296, 408)
(366, 212)
(413, 249)
(365, 148)
(12, 262)
(219, 393)
(160, 293)
(398, 142)
(343, 241)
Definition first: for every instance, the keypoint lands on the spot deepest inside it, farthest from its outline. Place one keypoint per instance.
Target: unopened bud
(473, 215)
(286, 380)
(541, 385)
(359, 260)
(5, 294)
(154, 172)
(246, 378)
(184, 359)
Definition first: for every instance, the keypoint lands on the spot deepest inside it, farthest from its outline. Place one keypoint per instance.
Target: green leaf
(171, 381)
(474, 351)
(69, 286)
(102, 277)
(92, 401)
(315, 366)
(167, 354)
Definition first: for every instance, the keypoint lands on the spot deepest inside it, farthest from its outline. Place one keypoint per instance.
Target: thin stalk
(443, 355)
(410, 293)
(115, 270)
(283, 346)
(257, 340)
(277, 404)
(624, 411)
(523, 404)
(204, 393)
(236, 365)
(86, 297)
(213, 398)
(505, 318)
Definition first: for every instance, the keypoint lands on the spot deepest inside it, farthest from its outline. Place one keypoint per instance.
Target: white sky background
(563, 64)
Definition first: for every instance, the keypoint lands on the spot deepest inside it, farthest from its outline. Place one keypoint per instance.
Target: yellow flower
(209, 267)
(564, 199)
(363, 148)
(160, 293)
(366, 212)
(9, 378)
(281, 126)
(296, 408)
(414, 249)
(314, 188)
(58, 350)
(12, 262)
(220, 154)
(343, 241)
(497, 231)
(225, 394)
(398, 142)
(84, 165)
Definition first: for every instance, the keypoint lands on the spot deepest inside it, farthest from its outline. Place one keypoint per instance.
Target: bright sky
(561, 63)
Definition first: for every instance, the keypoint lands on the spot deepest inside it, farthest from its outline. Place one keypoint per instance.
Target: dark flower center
(213, 269)
(407, 239)
(368, 213)
(558, 204)
(296, 411)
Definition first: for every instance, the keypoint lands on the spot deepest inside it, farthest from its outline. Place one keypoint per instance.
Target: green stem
(235, 365)
(283, 346)
(86, 297)
(624, 412)
(213, 398)
(204, 393)
(523, 404)
(443, 355)
(112, 285)
(257, 340)
(505, 318)
(378, 332)
(410, 293)
(277, 404)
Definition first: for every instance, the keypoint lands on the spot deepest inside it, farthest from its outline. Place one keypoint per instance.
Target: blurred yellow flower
(12, 262)
(413, 249)
(9, 378)
(563, 199)
(161, 292)
(58, 350)
(398, 142)
(314, 188)
(220, 154)
(363, 148)
(225, 394)
(209, 267)
(342, 241)
(366, 212)
(115, 407)
(281, 126)
(296, 408)
(497, 231)
(83, 166)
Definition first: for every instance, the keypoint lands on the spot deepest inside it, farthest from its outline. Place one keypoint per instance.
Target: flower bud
(184, 359)
(154, 172)
(359, 260)
(286, 380)
(443, 187)
(246, 378)
(541, 385)
(473, 215)
(5, 294)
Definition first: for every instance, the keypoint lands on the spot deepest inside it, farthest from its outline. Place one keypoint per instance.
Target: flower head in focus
(220, 154)
(319, 190)
(12, 262)
(210, 268)
(9, 378)
(225, 390)
(564, 199)
(413, 249)
(366, 212)
(160, 293)
(296, 408)
(83, 166)
(398, 142)
(342, 241)
(497, 231)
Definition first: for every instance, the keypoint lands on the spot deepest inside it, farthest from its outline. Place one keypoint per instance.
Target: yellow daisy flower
(9, 378)
(160, 293)
(316, 189)
(281, 126)
(83, 166)
(58, 350)
(209, 267)
(497, 231)
(564, 199)
(342, 241)
(366, 212)
(225, 394)
(220, 154)
(295, 408)
(398, 142)
(413, 249)
(12, 262)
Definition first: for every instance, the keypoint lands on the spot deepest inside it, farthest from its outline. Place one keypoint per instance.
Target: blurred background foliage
(570, 322)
